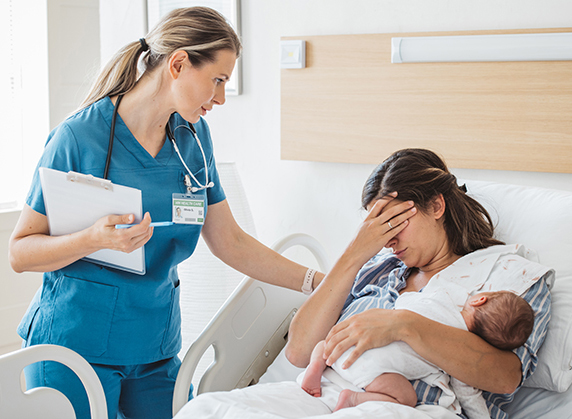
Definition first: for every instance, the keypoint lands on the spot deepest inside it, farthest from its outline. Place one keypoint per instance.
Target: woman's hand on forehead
(379, 227)
(386, 199)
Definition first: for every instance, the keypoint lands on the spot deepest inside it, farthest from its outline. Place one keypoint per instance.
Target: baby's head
(502, 318)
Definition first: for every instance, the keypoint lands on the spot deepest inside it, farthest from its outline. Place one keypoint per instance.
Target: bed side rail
(247, 332)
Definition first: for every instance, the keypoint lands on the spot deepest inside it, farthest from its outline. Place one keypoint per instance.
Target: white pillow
(540, 219)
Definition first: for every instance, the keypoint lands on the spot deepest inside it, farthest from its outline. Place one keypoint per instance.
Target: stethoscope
(171, 137)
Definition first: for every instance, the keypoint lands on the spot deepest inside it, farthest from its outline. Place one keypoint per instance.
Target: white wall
(16, 291)
(320, 198)
(73, 48)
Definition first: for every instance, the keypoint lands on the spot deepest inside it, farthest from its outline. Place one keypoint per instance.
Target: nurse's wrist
(318, 277)
(308, 281)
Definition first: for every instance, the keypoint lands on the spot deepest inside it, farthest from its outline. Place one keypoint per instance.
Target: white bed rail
(256, 315)
(44, 402)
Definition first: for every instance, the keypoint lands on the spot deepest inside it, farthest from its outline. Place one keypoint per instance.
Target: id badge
(188, 209)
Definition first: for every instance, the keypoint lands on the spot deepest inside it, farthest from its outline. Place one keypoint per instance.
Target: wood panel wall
(350, 104)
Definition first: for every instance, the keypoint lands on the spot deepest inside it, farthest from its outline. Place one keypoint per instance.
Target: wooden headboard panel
(350, 104)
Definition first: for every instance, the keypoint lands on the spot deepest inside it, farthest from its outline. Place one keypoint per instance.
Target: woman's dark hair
(420, 175)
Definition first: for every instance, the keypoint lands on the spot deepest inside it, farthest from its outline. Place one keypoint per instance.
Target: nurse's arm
(33, 249)
(236, 248)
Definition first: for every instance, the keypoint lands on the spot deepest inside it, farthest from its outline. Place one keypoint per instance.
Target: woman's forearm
(461, 354)
(320, 312)
(33, 249)
(252, 258)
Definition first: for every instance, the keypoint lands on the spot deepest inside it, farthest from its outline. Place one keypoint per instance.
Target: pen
(157, 224)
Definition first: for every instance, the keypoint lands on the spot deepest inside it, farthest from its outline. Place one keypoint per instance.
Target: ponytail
(468, 225)
(118, 76)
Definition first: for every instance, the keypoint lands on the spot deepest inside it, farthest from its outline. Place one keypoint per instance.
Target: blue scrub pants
(132, 391)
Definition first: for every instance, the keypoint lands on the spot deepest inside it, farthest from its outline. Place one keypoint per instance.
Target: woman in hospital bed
(436, 231)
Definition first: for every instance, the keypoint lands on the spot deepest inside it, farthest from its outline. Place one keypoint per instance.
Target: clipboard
(75, 201)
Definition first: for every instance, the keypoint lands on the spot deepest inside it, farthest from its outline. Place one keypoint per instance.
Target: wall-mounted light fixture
(510, 47)
(293, 54)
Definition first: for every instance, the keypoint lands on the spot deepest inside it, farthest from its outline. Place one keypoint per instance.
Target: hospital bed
(251, 328)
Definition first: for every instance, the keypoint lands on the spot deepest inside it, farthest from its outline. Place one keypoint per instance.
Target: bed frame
(247, 333)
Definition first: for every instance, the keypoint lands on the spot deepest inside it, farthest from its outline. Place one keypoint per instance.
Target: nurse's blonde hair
(199, 31)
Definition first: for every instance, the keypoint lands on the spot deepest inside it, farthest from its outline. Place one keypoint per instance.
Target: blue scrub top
(107, 315)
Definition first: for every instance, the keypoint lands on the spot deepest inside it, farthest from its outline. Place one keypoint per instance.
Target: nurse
(127, 325)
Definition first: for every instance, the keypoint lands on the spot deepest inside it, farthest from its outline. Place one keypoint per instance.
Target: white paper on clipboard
(75, 201)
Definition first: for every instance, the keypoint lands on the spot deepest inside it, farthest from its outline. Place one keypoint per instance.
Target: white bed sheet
(532, 403)
(529, 403)
(287, 400)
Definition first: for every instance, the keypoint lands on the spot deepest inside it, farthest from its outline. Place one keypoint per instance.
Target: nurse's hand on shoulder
(126, 239)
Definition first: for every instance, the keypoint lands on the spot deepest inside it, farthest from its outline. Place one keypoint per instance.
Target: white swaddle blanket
(508, 267)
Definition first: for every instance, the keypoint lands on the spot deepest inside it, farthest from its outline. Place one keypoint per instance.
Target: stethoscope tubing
(171, 137)
(111, 137)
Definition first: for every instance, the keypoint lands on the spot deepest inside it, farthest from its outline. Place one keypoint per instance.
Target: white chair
(44, 402)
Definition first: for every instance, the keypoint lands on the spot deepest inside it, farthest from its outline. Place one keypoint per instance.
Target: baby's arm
(312, 382)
